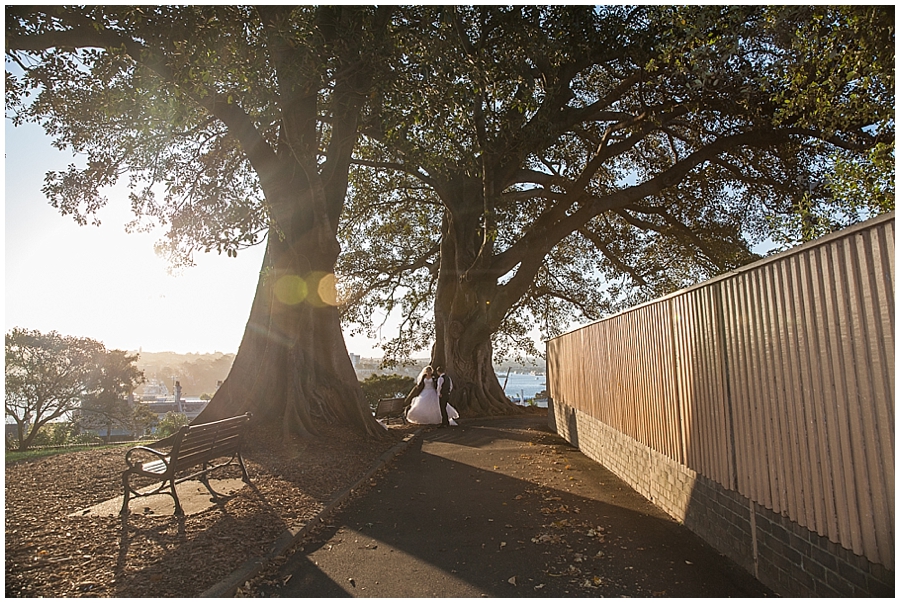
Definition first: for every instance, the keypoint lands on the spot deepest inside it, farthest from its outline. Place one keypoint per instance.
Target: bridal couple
(431, 399)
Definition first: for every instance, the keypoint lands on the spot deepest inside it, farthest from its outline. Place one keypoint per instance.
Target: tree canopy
(559, 163)
(48, 376)
(184, 102)
(108, 402)
(518, 165)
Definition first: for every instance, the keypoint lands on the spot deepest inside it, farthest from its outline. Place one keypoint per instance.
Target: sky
(106, 284)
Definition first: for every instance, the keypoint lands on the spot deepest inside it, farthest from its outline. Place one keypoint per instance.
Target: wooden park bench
(390, 408)
(194, 446)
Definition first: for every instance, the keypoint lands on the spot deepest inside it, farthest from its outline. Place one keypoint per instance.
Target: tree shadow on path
(486, 510)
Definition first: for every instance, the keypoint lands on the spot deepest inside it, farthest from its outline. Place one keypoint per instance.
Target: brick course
(791, 560)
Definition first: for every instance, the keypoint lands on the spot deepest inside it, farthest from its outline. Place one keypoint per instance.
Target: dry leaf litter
(50, 554)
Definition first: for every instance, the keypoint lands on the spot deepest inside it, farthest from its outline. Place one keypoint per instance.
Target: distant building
(157, 400)
(155, 391)
(162, 405)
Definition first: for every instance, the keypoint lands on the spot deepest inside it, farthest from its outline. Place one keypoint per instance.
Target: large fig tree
(232, 123)
(561, 162)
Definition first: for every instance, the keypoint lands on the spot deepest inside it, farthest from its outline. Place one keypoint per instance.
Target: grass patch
(14, 456)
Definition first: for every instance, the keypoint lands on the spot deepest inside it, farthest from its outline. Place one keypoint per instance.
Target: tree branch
(397, 167)
(529, 250)
(84, 34)
(674, 226)
(601, 245)
(391, 272)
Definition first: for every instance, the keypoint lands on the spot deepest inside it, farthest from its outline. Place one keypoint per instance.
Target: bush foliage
(376, 387)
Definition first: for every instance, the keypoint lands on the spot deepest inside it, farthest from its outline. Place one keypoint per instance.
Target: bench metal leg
(178, 509)
(127, 492)
(204, 479)
(244, 476)
(127, 489)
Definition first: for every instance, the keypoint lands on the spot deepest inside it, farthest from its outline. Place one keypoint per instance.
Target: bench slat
(223, 449)
(193, 457)
(202, 434)
(198, 459)
(207, 438)
(158, 467)
(224, 423)
(200, 430)
(206, 442)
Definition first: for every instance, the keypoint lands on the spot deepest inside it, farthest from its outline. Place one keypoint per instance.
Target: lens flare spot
(291, 289)
(328, 289)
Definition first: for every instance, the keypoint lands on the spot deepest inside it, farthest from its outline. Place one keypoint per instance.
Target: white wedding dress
(425, 410)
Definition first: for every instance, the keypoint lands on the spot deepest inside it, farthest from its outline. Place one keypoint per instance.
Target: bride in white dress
(424, 409)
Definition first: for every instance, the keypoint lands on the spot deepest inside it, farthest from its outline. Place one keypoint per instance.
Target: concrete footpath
(500, 508)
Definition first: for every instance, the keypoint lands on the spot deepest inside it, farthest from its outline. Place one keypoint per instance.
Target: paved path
(502, 508)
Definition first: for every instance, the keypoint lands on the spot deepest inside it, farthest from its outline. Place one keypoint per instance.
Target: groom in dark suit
(444, 387)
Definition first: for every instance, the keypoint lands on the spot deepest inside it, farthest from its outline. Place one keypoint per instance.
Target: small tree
(55, 434)
(140, 420)
(47, 377)
(115, 378)
(171, 423)
(376, 387)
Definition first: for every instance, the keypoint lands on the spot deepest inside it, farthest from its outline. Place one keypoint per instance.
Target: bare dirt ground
(50, 554)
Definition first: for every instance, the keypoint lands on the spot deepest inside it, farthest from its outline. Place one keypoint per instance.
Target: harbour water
(521, 387)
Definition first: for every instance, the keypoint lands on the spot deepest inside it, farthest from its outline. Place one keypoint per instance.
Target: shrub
(54, 434)
(376, 387)
(169, 424)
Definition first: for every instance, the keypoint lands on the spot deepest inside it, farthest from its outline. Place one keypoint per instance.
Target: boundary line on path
(292, 535)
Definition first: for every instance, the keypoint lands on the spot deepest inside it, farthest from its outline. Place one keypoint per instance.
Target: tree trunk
(463, 329)
(26, 441)
(20, 434)
(292, 368)
(464, 349)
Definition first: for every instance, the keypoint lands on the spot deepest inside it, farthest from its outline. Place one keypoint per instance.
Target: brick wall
(780, 553)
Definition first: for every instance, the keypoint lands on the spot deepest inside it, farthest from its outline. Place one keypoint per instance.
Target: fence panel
(775, 381)
(700, 372)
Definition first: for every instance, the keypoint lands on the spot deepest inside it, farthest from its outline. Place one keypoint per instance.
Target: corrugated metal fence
(776, 381)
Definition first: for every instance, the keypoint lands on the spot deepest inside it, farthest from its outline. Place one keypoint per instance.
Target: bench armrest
(137, 465)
